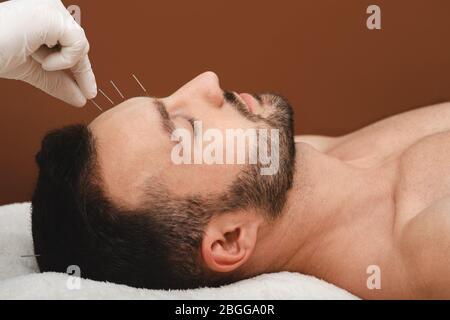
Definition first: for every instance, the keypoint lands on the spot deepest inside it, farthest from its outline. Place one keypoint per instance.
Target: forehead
(132, 109)
(130, 143)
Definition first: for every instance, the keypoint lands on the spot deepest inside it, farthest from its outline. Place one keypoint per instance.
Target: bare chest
(420, 177)
(424, 176)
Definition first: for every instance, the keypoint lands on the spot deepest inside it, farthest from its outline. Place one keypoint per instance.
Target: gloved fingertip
(92, 93)
(80, 102)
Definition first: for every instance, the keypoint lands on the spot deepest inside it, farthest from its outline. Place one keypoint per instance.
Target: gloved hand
(39, 39)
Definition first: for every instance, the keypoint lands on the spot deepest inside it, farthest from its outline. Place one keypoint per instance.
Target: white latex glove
(28, 29)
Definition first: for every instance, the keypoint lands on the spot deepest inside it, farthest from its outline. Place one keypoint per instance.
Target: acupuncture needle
(96, 105)
(117, 89)
(104, 94)
(141, 85)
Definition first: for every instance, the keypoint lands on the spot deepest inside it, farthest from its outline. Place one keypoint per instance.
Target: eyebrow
(167, 123)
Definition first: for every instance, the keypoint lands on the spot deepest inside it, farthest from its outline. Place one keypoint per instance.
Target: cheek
(201, 179)
(227, 119)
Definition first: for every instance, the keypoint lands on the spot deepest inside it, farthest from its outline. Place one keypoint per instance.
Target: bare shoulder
(321, 143)
(391, 136)
(424, 243)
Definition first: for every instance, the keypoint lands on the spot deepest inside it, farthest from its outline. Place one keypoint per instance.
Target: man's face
(134, 145)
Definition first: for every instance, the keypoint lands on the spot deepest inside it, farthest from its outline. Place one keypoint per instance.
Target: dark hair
(74, 223)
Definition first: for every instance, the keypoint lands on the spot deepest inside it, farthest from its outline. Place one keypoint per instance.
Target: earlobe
(228, 243)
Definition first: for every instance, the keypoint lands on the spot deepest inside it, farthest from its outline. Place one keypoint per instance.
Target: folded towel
(20, 277)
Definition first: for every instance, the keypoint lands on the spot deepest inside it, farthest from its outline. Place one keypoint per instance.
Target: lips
(249, 101)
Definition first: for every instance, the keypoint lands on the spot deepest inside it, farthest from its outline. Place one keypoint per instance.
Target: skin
(378, 196)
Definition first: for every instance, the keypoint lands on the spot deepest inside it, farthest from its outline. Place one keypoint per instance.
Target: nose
(204, 87)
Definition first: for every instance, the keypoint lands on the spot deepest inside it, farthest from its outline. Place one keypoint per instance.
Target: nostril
(214, 93)
(216, 97)
(219, 97)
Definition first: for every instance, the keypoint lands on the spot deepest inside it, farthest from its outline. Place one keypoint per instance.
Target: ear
(230, 240)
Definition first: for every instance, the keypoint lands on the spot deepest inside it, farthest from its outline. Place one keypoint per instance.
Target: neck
(320, 209)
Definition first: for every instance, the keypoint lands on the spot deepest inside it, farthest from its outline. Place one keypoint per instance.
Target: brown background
(338, 75)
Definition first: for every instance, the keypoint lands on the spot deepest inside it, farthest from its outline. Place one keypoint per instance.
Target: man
(110, 199)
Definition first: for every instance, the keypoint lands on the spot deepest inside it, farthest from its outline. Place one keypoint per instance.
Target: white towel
(20, 277)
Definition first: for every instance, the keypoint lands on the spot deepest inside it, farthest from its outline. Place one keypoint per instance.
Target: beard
(182, 220)
(251, 189)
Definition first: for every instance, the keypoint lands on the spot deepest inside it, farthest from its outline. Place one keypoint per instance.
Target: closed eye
(188, 119)
(192, 122)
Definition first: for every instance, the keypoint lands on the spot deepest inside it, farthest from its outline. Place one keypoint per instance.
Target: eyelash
(192, 122)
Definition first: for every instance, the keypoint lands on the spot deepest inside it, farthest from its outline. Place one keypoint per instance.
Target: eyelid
(196, 132)
(187, 118)
(192, 122)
